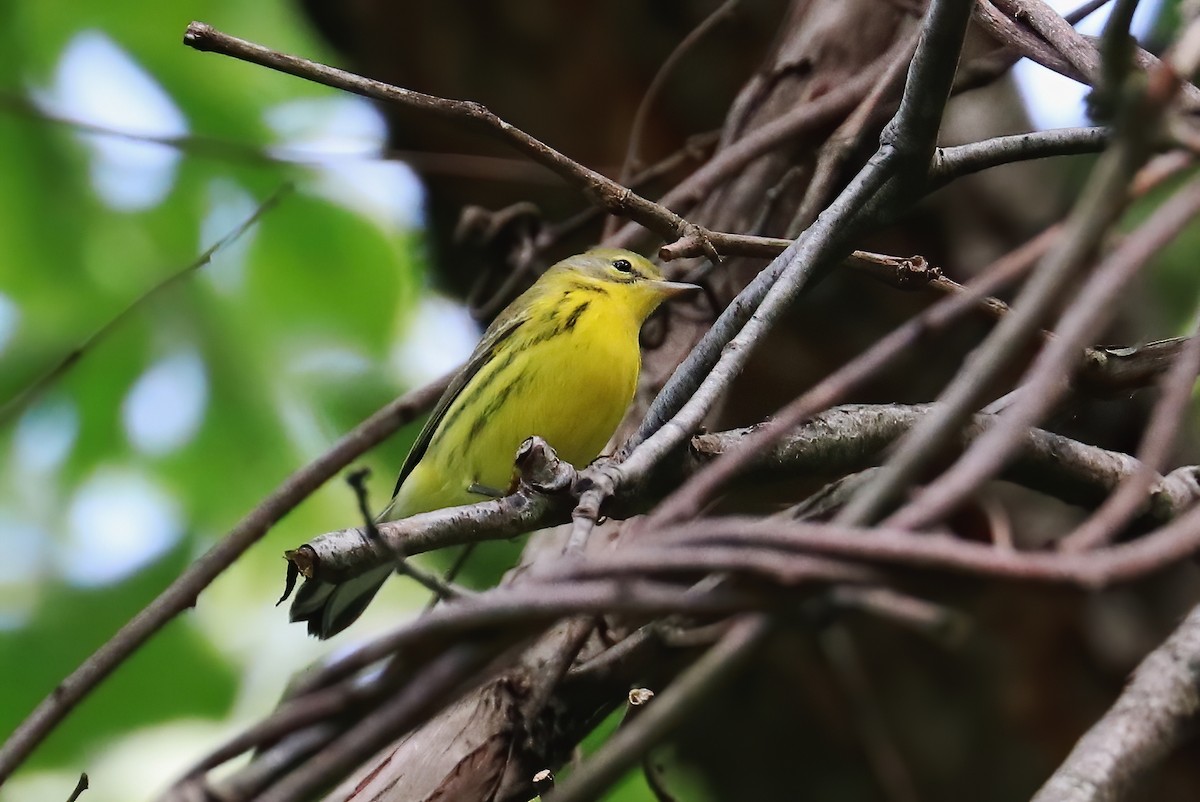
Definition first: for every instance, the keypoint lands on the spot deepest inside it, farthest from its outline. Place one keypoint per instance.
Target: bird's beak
(671, 289)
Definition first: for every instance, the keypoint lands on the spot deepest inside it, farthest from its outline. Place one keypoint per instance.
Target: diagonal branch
(614, 197)
(22, 399)
(1152, 716)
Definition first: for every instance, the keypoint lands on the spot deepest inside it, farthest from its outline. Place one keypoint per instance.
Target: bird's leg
(484, 490)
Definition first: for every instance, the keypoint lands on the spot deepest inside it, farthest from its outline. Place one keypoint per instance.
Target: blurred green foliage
(286, 341)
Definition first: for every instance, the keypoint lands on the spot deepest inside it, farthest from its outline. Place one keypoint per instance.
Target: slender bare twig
(411, 704)
(670, 708)
(1102, 200)
(22, 399)
(441, 589)
(689, 498)
(1156, 445)
(80, 787)
(636, 130)
(849, 136)
(488, 168)
(950, 163)
(1096, 569)
(1056, 32)
(1047, 381)
(529, 605)
(942, 624)
(892, 774)
(604, 191)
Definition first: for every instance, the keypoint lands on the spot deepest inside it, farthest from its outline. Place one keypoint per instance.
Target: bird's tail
(330, 608)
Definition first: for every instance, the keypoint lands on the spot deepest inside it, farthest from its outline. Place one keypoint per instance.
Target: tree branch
(612, 196)
(1151, 717)
(841, 440)
(950, 163)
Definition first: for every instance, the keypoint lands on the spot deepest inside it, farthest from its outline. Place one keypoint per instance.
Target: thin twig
(1101, 202)
(439, 588)
(1093, 570)
(886, 762)
(467, 165)
(23, 398)
(80, 787)
(1156, 446)
(670, 708)
(413, 703)
(638, 127)
(604, 191)
(950, 163)
(849, 136)
(688, 499)
(1047, 382)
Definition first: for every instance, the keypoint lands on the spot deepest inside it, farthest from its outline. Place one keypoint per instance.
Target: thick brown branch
(1148, 721)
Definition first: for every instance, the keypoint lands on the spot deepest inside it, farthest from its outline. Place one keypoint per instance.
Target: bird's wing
(500, 330)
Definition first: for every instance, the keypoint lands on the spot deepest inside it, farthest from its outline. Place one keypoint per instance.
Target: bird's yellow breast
(567, 375)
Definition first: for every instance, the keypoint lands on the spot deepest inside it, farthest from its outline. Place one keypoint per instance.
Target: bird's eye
(623, 265)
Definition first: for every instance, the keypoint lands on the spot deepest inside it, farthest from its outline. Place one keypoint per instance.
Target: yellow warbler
(561, 361)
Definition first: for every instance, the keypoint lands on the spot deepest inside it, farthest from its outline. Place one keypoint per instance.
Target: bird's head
(624, 274)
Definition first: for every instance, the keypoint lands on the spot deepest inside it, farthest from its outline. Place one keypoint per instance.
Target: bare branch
(950, 163)
(669, 709)
(841, 440)
(1103, 198)
(1147, 722)
(691, 496)
(1047, 381)
(604, 191)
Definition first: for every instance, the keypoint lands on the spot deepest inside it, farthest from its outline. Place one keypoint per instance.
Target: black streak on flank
(576, 313)
(477, 392)
(494, 406)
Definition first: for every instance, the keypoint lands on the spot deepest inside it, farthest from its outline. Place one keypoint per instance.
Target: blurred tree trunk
(573, 73)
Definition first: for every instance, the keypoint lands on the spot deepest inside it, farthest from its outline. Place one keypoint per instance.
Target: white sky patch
(165, 406)
(10, 316)
(327, 361)
(1057, 102)
(328, 126)
(45, 435)
(99, 83)
(439, 337)
(342, 137)
(300, 422)
(117, 522)
(229, 206)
